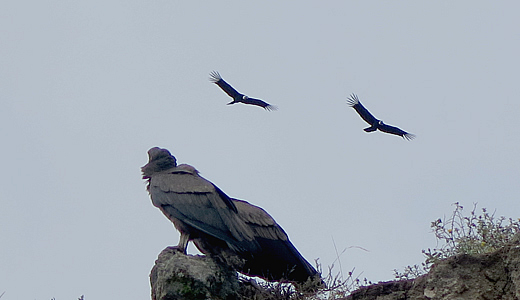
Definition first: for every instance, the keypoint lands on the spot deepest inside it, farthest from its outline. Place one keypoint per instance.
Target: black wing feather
(260, 103)
(397, 131)
(353, 101)
(279, 258)
(207, 222)
(217, 79)
(198, 203)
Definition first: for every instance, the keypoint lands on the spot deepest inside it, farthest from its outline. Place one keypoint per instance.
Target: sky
(87, 87)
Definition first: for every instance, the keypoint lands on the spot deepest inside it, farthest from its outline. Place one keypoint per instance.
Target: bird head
(158, 160)
(245, 97)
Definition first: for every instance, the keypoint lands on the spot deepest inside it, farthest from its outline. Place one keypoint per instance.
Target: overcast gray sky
(87, 87)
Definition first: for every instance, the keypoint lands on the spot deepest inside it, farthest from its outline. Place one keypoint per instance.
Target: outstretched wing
(217, 79)
(194, 201)
(397, 131)
(260, 103)
(353, 101)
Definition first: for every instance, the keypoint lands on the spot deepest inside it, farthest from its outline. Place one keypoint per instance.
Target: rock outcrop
(464, 277)
(179, 276)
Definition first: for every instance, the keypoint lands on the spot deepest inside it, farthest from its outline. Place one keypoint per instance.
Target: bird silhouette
(374, 123)
(238, 97)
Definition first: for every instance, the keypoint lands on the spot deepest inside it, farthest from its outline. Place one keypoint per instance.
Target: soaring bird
(241, 234)
(237, 97)
(374, 123)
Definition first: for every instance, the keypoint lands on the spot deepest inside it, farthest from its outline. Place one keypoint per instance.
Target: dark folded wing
(279, 258)
(353, 101)
(262, 224)
(217, 79)
(200, 205)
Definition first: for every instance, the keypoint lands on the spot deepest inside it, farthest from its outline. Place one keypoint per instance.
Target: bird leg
(183, 243)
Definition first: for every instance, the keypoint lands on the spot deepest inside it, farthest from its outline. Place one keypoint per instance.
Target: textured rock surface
(465, 277)
(179, 276)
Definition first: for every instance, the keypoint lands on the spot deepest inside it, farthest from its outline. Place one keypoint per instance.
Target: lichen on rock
(179, 276)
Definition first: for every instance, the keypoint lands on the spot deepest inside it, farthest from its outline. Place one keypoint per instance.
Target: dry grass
(465, 234)
(332, 285)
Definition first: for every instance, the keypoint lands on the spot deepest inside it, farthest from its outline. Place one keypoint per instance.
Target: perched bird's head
(245, 97)
(158, 160)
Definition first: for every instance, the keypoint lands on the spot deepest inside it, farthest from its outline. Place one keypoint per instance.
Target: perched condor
(237, 97)
(374, 123)
(244, 236)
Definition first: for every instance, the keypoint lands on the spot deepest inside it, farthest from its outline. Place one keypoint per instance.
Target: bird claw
(177, 249)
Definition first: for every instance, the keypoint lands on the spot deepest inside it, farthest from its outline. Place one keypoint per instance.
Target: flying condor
(237, 97)
(374, 123)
